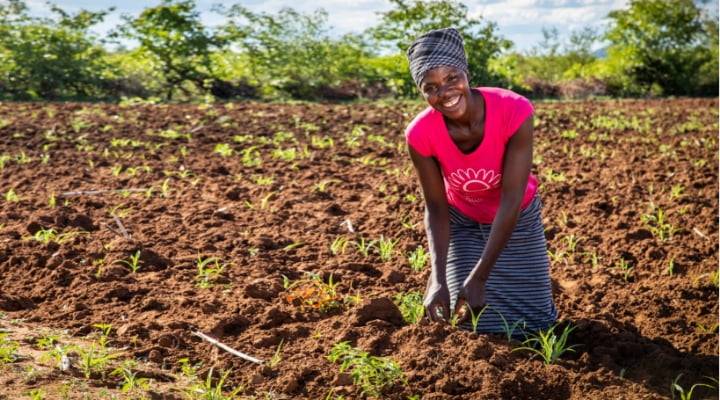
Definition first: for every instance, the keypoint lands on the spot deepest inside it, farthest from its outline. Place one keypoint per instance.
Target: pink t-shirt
(473, 181)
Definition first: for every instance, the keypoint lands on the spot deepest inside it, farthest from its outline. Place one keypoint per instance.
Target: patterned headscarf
(435, 48)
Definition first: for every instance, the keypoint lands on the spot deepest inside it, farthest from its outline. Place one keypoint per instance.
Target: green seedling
(205, 390)
(364, 247)
(411, 306)
(130, 380)
(223, 149)
(670, 269)
(323, 185)
(94, 359)
(208, 270)
(133, 262)
(624, 267)
(11, 196)
(36, 394)
(322, 142)
(339, 245)
(418, 259)
(676, 388)
(386, 248)
(8, 349)
(676, 191)
(277, 357)
(250, 157)
(571, 242)
(371, 374)
(46, 342)
(510, 329)
(551, 347)
(657, 224)
(475, 318)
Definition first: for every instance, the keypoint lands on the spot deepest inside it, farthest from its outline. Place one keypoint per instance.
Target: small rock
(393, 276)
(155, 356)
(343, 379)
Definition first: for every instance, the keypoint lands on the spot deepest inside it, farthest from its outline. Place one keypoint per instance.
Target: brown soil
(635, 332)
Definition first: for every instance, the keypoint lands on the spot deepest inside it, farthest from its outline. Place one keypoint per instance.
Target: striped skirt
(518, 289)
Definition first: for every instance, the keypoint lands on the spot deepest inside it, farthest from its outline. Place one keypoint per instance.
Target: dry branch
(227, 348)
(121, 227)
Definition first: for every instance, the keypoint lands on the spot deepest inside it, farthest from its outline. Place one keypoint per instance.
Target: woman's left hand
(472, 294)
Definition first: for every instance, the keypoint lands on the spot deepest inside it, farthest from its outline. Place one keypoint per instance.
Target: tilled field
(229, 210)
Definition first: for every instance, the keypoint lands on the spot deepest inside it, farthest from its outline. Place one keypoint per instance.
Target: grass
(411, 306)
(548, 345)
(371, 374)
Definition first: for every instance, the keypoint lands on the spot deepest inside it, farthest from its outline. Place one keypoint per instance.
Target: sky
(521, 21)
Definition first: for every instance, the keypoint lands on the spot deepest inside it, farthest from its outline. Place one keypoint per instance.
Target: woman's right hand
(437, 301)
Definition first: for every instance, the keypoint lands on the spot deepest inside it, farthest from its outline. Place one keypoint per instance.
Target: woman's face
(447, 90)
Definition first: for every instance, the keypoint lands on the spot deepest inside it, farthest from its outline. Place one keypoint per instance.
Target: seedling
(371, 374)
(130, 380)
(411, 306)
(386, 248)
(657, 224)
(510, 329)
(223, 149)
(624, 267)
(46, 342)
(322, 185)
(133, 262)
(8, 349)
(277, 357)
(205, 390)
(551, 347)
(364, 247)
(208, 270)
(475, 318)
(676, 191)
(418, 259)
(339, 245)
(676, 388)
(11, 196)
(312, 292)
(670, 269)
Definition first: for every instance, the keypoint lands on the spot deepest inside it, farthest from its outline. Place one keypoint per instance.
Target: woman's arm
(437, 226)
(516, 169)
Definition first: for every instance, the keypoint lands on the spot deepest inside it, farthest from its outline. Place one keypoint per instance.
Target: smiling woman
(472, 151)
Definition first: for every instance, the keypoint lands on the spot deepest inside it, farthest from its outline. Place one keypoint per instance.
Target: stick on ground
(227, 348)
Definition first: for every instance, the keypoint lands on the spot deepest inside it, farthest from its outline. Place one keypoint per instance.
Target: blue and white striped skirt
(518, 288)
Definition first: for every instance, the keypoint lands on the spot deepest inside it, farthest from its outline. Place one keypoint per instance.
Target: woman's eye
(452, 78)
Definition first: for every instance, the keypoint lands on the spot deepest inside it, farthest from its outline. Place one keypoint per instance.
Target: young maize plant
(311, 292)
(386, 248)
(208, 270)
(411, 306)
(547, 345)
(133, 262)
(371, 374)
(418, 259)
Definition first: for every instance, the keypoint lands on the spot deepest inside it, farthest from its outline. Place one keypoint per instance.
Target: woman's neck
(474, 113)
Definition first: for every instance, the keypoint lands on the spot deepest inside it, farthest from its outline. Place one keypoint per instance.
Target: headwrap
(435, 48)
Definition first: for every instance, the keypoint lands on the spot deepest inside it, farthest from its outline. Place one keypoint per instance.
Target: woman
(472, 151)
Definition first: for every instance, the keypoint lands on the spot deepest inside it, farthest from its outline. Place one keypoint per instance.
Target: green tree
(291, 53)
(50, 58)
(177, 41)
(399, 26)
(661, 43)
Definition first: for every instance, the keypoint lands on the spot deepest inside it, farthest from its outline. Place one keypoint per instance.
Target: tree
(410, 19)
(50, 57)
(173, 35)
(663, 43)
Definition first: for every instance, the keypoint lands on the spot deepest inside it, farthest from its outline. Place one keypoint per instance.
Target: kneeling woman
(472, 151)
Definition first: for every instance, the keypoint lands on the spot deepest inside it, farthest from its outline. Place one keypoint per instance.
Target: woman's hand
(471, 294)
(437, 301)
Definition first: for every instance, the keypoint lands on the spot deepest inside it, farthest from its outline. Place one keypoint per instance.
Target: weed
(370, 373)
(411, 306)
(312, 292)
(418, 259)
(551, 347)
(386, 248)
(133, 262)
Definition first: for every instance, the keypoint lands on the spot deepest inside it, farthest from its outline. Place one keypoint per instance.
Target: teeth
(452, 102)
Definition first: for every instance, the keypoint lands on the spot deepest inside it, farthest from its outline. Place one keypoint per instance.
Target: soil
(635, 330)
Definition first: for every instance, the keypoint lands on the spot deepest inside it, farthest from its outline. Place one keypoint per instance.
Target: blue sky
(518, 20)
